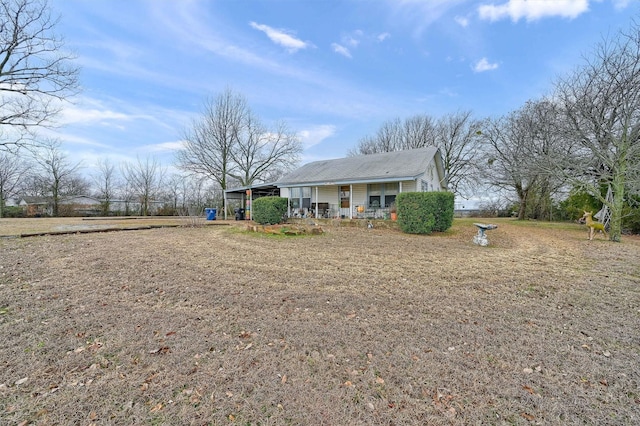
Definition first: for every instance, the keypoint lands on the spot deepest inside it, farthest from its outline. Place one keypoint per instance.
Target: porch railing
(335, 211)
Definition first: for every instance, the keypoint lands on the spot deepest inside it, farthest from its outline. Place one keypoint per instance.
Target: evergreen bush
(269, 210)
(425, 212)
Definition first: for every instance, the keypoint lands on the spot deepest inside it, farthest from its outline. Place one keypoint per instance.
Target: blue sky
(333, 70)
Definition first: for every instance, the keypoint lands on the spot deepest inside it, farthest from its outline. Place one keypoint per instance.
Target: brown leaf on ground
(527, 416)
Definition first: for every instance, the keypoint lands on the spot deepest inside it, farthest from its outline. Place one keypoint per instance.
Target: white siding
(326, 194)
(284, 192)
(359, 195)
(409, 186)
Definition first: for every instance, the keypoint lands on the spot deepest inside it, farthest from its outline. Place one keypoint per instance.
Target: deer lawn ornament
(593, 225)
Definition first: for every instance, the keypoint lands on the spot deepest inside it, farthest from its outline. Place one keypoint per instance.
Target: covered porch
(373, 200)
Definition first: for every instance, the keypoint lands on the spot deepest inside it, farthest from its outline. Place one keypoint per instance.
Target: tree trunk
(522, 195)
(615, 225)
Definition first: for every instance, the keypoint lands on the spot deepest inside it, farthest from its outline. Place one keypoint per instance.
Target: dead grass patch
(215, 326)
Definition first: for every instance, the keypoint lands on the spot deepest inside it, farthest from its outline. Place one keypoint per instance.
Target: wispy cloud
(420, 13)
(316, 134)
(163, 147)
(484, 65)
(382, 37)
(282, 37)
(533, 10)
(341, 50)
(621, 4)
(462, 21)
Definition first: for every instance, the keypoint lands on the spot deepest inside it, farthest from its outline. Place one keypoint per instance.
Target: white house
(361, 186)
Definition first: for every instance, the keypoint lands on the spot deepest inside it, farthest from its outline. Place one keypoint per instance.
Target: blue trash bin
(211, 213)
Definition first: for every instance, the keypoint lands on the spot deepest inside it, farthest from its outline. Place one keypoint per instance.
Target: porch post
(350, 201)
(224, 198)
(316, 202)
(400, 186)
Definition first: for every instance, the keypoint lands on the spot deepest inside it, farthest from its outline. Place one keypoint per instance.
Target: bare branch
(36, 74)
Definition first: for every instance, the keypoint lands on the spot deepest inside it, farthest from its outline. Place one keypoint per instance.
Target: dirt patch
(214, 325)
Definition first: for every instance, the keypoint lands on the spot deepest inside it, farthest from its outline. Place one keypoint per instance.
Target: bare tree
(260, 152)
(601, 106)
(145, 180)
(105, 180)
(397, 135)
(57, 176)
(512, 142)
(230, 142)
(456, 135)
(13, 170)
(35, 73)
(209, 143)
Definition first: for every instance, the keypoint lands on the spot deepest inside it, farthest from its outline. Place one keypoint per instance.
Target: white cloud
(341, 50)
(382, 37)
(164, 146)
(73, 115)
(316, 134)
(484, 65)
(462, 21)
(621, 4)
(532, 10)
(281, 37)
(350, 41)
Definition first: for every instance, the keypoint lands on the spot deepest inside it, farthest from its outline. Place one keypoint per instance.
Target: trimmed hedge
(269, 210)
(425, 212)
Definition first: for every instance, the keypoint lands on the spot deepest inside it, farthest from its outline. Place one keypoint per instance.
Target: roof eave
(346, 181)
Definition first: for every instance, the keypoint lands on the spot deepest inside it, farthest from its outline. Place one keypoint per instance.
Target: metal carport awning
(250, 192)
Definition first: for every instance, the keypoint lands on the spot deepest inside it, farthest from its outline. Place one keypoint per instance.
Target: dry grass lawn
(213, 325)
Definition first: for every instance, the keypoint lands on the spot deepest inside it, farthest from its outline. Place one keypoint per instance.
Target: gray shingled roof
(387, 166)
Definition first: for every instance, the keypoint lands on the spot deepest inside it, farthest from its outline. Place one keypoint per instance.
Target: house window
(345, 195)
(382, 195)
(390, 192)
(301, 197)
(375, 194)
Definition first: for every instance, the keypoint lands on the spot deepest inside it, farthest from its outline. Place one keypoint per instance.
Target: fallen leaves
(442, 400)
(527, 416)
(161, 350)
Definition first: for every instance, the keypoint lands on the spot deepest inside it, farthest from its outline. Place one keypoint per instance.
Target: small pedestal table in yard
(481, 238)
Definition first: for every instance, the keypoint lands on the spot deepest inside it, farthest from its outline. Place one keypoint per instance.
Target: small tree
(106, 181)
(144, 179)
(57, 176)
(13, 170)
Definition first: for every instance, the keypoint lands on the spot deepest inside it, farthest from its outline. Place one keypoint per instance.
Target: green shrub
(576, 204)
(13, 211)
(425, 212)
(269, 210)
(631, 217)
